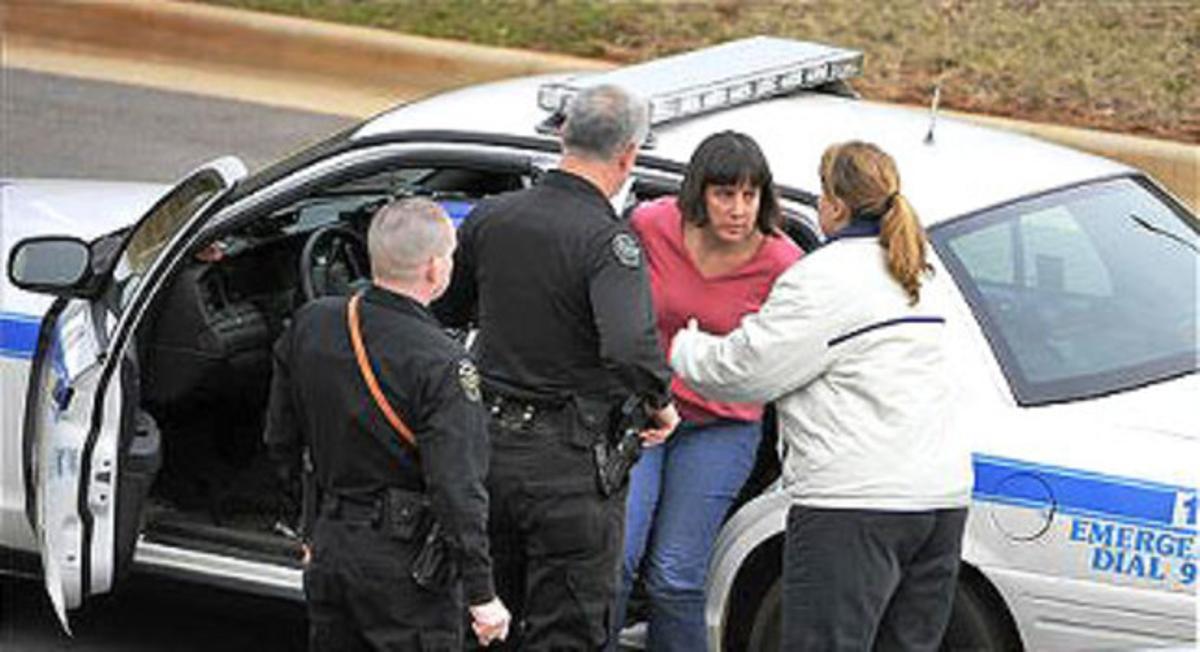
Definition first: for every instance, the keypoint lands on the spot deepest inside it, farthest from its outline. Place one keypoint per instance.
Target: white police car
(132, 404)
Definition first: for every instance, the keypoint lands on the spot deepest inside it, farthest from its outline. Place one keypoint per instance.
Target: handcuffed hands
(490, 621)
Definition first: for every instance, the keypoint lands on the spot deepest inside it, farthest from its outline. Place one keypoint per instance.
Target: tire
(978, 622)
(766, 632)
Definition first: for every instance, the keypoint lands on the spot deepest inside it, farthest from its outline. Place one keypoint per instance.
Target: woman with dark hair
(712, 253)
(850, 346)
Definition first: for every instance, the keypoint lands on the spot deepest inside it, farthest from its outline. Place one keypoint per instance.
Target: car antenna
(933, 112)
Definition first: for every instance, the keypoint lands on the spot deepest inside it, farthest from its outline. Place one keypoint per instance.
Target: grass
(1121, 65)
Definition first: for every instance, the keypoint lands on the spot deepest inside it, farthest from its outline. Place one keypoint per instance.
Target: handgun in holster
(408, 517)
(620, 449)
(434, 567)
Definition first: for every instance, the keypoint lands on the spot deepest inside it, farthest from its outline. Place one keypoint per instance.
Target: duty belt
(370, 509)
(522, 414)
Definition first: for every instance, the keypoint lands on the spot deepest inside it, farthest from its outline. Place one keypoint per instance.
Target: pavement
(151, 614)
(270, 87)
(61, 126)
(354, 71)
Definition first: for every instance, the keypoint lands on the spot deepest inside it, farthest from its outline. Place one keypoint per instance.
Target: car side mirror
(58, 265)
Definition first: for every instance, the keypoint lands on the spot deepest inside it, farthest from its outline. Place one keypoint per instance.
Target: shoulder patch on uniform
(627, 250)
(468, 379)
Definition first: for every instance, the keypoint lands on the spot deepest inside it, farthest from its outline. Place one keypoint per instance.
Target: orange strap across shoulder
(364, 366)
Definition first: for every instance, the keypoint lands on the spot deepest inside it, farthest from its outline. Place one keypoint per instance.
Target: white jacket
(860, 380)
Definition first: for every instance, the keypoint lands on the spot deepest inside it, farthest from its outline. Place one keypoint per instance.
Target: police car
(136, 323)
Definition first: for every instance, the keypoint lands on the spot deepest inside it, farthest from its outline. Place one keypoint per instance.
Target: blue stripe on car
(18, 335)
(1077, 492)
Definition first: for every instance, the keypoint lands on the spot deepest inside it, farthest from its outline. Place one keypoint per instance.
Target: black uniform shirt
(557, 286)
(318, 397)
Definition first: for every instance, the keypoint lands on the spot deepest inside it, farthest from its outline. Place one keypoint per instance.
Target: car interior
(204, 354)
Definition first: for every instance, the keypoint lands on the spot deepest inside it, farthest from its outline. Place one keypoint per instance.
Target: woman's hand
(665, 421)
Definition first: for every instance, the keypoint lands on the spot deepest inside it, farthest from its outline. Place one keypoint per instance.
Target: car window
(455, 188)
(1082, 291)
(146, 241)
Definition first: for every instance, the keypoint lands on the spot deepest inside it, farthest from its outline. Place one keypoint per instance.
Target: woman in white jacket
(849, 345)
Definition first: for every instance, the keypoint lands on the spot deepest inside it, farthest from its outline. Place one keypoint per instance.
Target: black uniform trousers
(857, 580)
(361, 595)
(555, 540)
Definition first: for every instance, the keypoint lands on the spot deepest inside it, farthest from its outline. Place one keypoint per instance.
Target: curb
(384, 63)
(184, 31)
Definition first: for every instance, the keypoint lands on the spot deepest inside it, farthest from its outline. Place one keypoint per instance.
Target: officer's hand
(490, 621)
(665, 421)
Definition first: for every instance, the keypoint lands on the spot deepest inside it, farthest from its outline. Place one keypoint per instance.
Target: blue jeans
(679, 493)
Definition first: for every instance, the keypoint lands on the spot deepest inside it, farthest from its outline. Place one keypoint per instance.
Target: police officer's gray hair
(404, 234)
(602, 120)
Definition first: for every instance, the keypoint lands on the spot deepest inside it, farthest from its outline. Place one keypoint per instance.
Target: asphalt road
(55, 126)
(63, 127)
(151, 614)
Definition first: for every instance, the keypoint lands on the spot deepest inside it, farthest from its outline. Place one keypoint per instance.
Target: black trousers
(361, 595)
(869, 580)
(555, 541)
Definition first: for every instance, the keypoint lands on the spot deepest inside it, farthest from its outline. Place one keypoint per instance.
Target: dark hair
(729, 158)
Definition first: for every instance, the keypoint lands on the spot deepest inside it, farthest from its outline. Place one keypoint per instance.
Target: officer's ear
(627, 157)
(431, 267)
(437, 269)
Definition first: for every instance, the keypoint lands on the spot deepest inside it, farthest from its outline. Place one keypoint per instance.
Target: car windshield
(1082, 291)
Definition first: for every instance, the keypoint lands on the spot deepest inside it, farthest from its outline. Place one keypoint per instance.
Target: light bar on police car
(718, 77)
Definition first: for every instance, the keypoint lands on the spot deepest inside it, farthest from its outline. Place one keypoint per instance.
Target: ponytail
(865, 179)
(903, 241)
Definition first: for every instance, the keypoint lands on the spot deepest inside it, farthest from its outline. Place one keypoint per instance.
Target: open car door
(81, 416)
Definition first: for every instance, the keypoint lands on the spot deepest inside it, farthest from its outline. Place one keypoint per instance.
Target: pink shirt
(680, 293)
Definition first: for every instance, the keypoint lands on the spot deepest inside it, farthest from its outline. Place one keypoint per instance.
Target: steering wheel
(334, 262)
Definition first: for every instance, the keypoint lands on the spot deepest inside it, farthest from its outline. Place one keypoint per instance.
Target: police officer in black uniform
(378, 494)
(555, 282)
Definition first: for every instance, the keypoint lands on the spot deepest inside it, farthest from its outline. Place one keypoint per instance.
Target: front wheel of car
(977, 621)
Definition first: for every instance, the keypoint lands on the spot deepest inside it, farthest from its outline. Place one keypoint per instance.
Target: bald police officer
(555, 282)
(377, 494)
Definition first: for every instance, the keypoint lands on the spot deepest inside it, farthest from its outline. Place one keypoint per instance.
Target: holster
(617, 446)
(407, 517)
(435, 567)
(613, 463)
